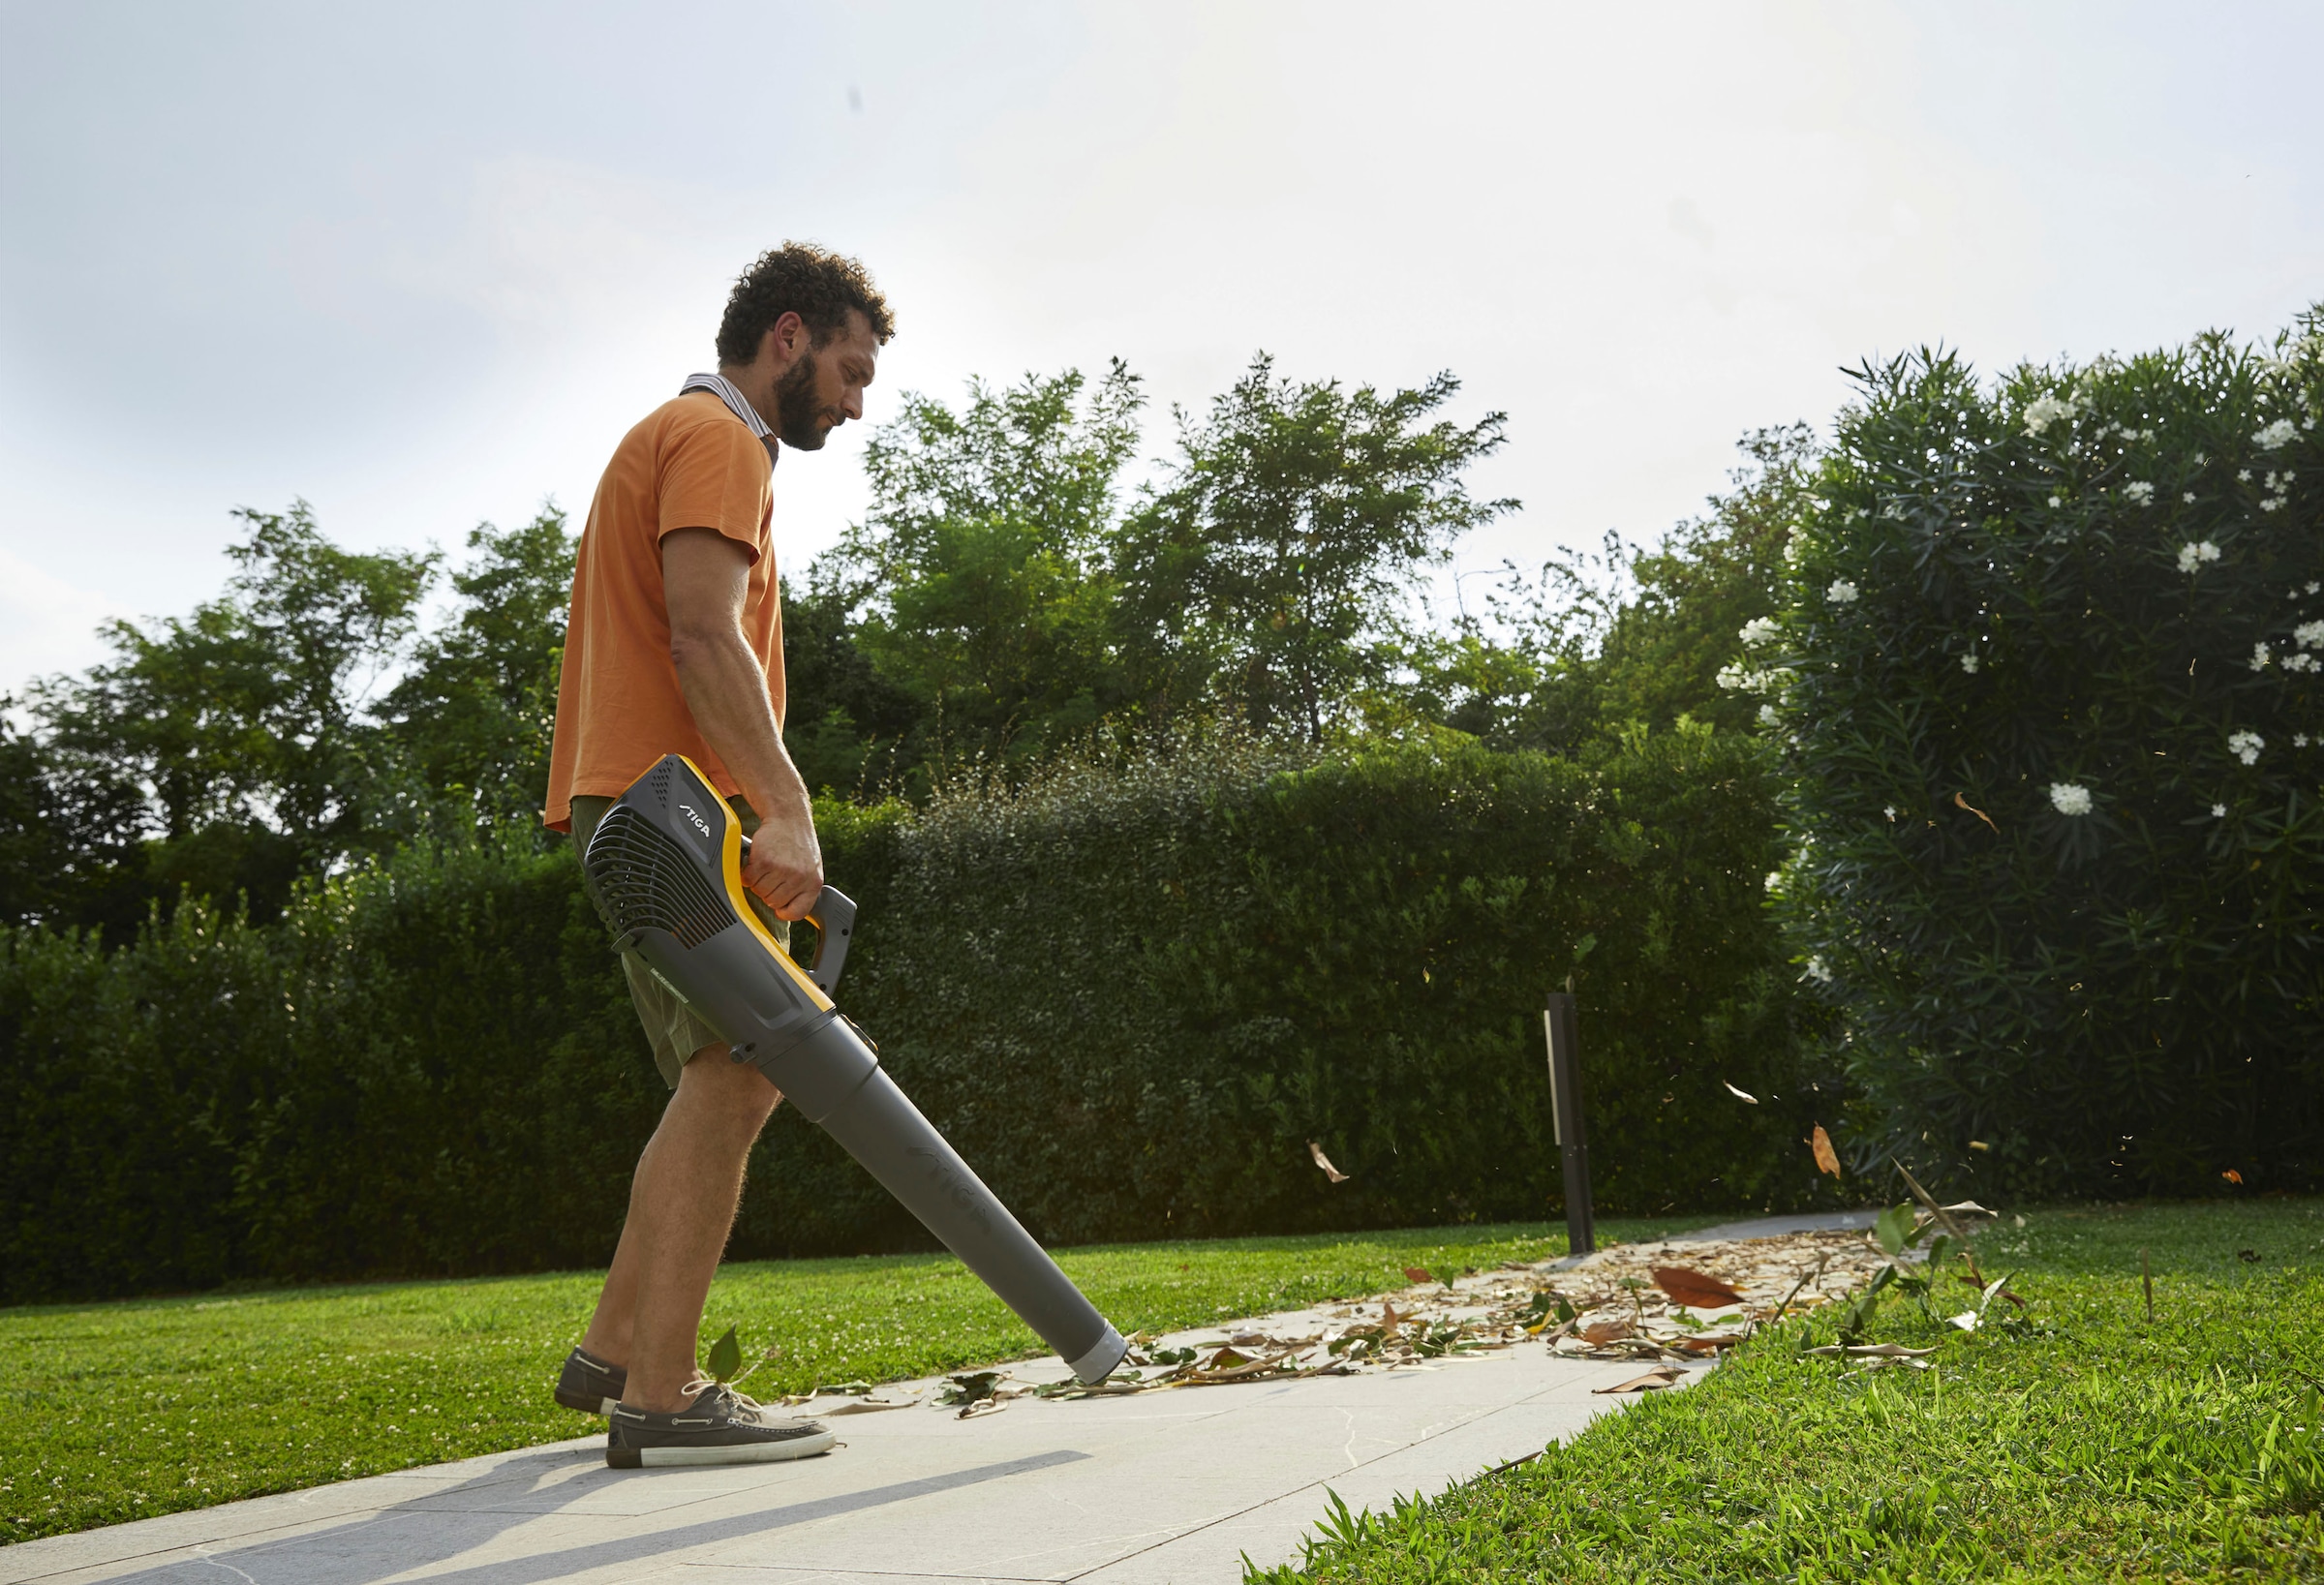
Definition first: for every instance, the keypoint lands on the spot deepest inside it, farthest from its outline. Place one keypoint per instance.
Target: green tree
(474, 714)
(1595, 642)
(978, 583)
(245, 722)
(71, 838)
(1274, 575)
(1710, 576)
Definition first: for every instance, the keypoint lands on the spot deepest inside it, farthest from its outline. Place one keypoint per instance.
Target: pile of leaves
(1670, 1304)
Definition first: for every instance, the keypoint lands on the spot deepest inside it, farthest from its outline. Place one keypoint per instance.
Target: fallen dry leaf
(1827, 1159)
(981, 1405)
(1960, 803)
(1741, 1095)
(1653, 1381)
(1419, 1273)
(1604, 1331)
(1696, 1290)
(2232, 1176)
(868, 1406)
(1332, 1173)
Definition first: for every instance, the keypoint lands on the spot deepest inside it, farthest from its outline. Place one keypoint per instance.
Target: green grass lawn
(123, 1411)
(2075, 1441)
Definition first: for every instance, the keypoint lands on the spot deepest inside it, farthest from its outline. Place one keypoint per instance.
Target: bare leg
(681, 1205)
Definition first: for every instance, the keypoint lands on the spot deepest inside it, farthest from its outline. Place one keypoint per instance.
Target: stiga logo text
(701, 825)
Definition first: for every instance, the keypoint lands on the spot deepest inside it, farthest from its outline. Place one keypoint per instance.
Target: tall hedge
(2047, 688)
(1131, 996)
(1133, 1000)
(425, 1068)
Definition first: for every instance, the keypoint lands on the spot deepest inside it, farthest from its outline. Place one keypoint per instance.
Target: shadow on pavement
(432, 1529)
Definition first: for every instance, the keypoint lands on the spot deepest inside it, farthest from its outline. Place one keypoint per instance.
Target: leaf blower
(664, 868)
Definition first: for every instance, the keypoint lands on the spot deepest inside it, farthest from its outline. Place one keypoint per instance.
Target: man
(675, 646)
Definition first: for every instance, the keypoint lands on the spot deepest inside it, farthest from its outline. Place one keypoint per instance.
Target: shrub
(1131, 996)
(2047, 690)
(426, 1067)
(1133, 999)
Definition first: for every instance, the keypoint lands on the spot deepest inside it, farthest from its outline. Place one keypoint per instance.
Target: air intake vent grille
(646, 881)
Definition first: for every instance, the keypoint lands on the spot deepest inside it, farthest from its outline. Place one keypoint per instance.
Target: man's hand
(705, 577)
(785, 868)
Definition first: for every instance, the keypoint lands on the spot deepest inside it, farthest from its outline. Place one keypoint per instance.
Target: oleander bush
(2046, 687)
(1132, 996)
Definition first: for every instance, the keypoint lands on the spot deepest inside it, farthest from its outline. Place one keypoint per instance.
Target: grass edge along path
(127, 1409)
(2070, 1440)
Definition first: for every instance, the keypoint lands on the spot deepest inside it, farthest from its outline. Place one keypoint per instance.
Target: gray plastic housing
(657, 870)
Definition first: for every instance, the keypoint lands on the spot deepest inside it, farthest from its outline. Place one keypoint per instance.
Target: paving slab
(1775, 1227)
(1151, 1489)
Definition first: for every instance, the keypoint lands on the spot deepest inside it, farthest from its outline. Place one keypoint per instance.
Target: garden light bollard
(1565, 1121)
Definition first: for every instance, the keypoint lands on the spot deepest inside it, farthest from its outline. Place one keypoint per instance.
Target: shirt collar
(722, 388)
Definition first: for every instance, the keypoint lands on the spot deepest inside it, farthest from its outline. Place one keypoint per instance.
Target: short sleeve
(714, 475)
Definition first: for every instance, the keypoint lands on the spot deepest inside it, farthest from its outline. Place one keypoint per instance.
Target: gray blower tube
(656, 869)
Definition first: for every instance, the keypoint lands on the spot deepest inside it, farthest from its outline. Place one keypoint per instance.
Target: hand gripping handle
(834, 918)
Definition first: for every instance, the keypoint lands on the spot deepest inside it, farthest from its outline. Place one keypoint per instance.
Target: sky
(421, 265)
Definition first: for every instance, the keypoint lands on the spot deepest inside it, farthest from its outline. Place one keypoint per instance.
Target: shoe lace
(706, 1389)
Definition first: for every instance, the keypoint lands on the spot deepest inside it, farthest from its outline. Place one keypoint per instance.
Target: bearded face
(808, 417)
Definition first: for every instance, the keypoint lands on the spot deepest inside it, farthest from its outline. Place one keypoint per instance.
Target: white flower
(2188, 498)
(2208, 551)
(2282, 432)
(2271, 503)
(2299, 740)
(1842, 593)
(2218, 811)
(2259, 656)
(2302, 662)
(2246, 746)
(2243, 476)
(1818, 971)
(2046, 409)
(2313, 586)
(1766, 715)
(2138, 490)
(1775, 878)
(1759, 630)
(2069, 797)
(2309, 635)
(2057, 501)
(2200, 459)
(2191, 554)
(1890, 811)
(1968, 663)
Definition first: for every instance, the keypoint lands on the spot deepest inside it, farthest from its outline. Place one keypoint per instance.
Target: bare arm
(705, 576)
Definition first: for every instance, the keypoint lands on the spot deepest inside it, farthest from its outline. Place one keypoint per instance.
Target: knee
(736, 1090)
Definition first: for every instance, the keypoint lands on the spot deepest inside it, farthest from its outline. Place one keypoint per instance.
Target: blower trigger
(834, 918)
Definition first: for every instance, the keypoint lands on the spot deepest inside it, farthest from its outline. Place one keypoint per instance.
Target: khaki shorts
(672, 1027)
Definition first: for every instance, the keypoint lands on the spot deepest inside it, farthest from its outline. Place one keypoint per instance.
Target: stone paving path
(1163, 1488)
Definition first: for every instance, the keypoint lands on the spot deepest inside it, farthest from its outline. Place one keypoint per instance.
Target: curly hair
(799, 278)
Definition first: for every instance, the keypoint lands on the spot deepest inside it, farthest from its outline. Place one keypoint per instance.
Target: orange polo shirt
(692, 464)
